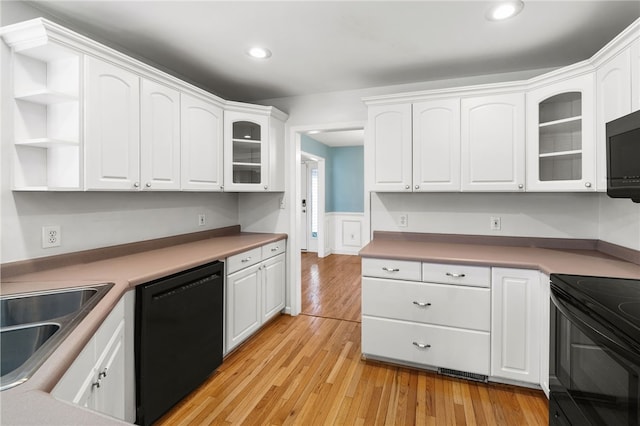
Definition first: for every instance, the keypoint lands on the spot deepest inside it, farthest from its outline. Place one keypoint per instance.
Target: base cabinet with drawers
(471, 321)
(255, 291)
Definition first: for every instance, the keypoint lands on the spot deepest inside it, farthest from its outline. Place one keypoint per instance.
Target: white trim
(336, 231)
(293, 162)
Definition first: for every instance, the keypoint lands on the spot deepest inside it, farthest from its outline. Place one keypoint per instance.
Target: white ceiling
(322, 46)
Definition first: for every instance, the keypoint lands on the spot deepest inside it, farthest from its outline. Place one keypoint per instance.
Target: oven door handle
(593, 329)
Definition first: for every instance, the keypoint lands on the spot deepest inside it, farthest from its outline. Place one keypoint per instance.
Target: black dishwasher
(178, 341)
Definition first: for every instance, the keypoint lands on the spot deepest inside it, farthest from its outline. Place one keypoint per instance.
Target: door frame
(293, 161)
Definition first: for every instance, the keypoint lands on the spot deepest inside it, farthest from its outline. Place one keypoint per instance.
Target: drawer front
(464, 350)
(441, 304)
(244, 260)
(274, 249)
(477, 276)
(394, 269)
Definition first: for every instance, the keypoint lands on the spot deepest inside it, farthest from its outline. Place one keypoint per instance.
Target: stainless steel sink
(32, 325)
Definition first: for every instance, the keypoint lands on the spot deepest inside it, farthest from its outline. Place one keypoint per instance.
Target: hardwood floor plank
(307, 370)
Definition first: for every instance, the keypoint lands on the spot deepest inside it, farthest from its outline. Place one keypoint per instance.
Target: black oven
(594, 362)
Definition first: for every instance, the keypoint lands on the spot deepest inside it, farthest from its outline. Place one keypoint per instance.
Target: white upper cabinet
(436, 145)
(493, 143)
(112, 126)
(389, 148)
(159, 137)
(201, 154)
(246, 148)
(613, 85)
(561, 146)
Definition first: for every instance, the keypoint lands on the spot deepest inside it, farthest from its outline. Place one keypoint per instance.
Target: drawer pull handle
(390, 269)
(275, 249)
(454, 275)
(421, 304)
(421, 345)
(246, 259)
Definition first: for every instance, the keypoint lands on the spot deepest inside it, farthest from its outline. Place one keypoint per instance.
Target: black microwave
(623, 157)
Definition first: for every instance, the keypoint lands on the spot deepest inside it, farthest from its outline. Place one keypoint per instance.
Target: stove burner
(631, 309)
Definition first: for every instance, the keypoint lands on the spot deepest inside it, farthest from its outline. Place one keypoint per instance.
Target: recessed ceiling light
(259, 52)
(504, 10)
(313, 132)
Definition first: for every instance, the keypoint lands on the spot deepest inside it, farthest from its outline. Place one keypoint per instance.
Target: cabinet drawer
(441, 304)
(395, 269)
(274, 249)
(477, 276)
(244, 260)
(464, 350)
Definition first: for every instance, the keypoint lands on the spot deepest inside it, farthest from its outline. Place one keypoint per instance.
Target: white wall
(529, 214)
(619, 222)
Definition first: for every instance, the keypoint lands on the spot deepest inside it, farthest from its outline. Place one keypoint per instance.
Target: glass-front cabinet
(246, 151)
(560, 145)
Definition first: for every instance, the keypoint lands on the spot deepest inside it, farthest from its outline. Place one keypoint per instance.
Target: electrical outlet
(51, 236)
(202, 219)
(403, 220)
(495, 223)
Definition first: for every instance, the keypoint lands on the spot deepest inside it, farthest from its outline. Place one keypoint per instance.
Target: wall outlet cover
(51, 236)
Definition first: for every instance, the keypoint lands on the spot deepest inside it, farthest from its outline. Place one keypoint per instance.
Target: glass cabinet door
(247, 152)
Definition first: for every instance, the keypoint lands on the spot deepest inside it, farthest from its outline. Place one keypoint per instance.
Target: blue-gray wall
(344, 175)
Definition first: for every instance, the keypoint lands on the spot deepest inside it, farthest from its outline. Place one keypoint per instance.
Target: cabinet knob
(417, 187)
(221, 188)
(266, 187)
(520, 186)
(136, 184)
(148, 185)
(587, 184)
(407, 187)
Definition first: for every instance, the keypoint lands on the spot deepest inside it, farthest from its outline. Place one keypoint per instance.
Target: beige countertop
(547, 260)
(30, 403)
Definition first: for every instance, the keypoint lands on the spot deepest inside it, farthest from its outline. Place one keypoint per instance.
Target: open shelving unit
(46, 118)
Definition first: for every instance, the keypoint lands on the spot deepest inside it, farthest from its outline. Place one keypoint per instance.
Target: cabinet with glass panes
(560, 144)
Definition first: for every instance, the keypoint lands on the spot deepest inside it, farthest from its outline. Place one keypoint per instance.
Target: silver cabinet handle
(246, 259)
(148, 185)
(421, 304)
(390, 269)
(520, 186)
(407, 187)
(136, 184)
(275, 249)
(221, 187)
(266, 187)
(96, 384)
(417, 187)
(587, 184)
(421, 345)
(454, 275)
(102, 374)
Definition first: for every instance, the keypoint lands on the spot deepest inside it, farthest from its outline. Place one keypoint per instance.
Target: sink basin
(19, 344)
(32, 326)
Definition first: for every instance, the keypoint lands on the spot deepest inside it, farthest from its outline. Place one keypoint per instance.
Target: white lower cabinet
(431, 324)
(101, 377)
(489, 321)
(515, 330)
(255, 291)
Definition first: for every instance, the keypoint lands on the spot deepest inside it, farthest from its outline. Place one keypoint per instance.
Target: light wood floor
(307, 370)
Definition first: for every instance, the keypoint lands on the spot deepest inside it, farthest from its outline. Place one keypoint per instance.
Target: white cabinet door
(613, 85)
(515, 324)
(243, 305)
(388, 151)
(560, 136)
(112, 127)
(493, 143)
(159, 137)
(201, 138)
(246, 150)
(635, 75)
(545, 294)
(109, 397)
(436, 145)
(273, 286)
